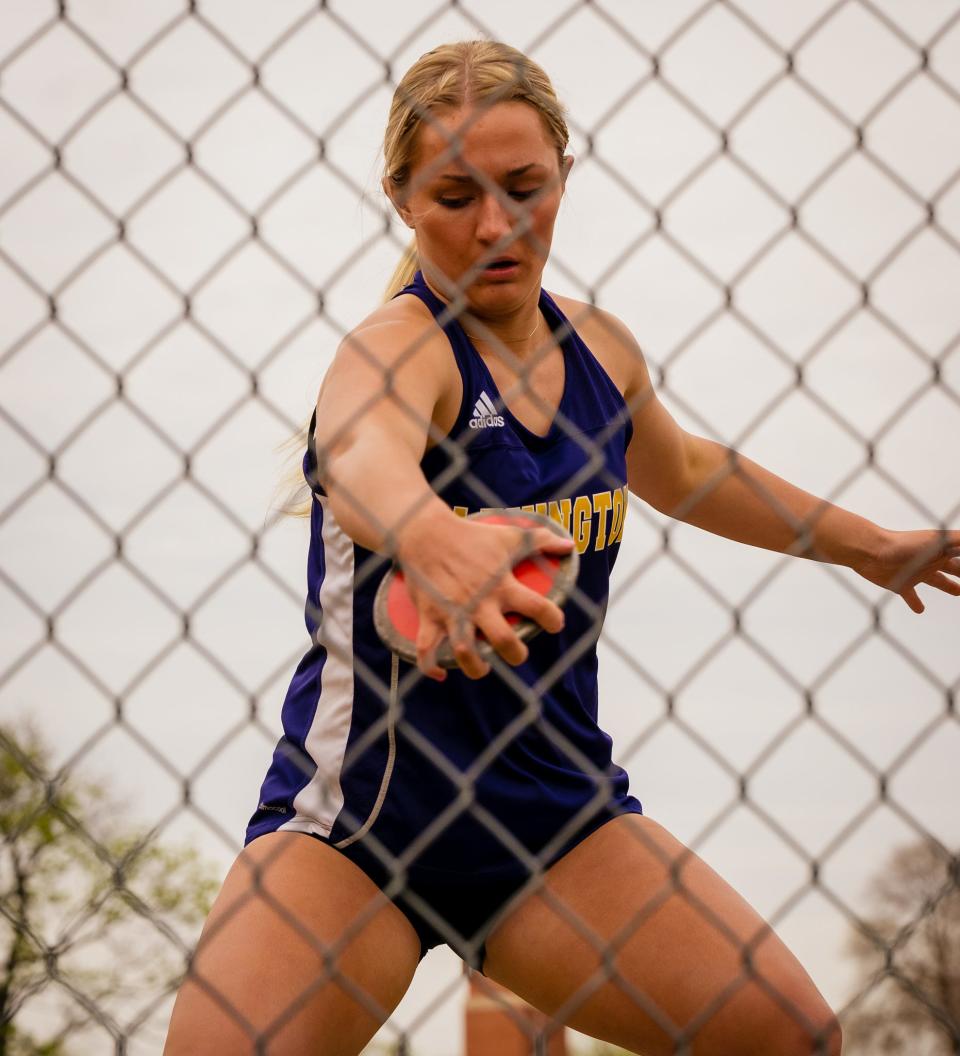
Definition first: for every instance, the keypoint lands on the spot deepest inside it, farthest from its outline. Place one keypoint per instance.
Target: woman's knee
(804, 1025)
(756, 1023)
(822, 1036)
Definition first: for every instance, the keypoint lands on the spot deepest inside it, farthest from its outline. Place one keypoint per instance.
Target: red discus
(395, 615)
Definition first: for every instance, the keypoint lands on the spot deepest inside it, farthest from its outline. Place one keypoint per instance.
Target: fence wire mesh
(770, 199)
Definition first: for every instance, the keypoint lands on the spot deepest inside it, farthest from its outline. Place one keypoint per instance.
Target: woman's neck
(521, 333)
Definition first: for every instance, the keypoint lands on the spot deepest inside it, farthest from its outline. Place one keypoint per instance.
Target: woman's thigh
(692, 967)
(301, 952)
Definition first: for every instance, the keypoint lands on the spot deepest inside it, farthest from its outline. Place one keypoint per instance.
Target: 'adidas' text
(485, 414)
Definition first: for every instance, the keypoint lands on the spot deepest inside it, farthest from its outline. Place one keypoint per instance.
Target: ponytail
(298, 498)
(404, 271)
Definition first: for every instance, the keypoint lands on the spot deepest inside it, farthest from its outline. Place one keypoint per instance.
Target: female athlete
(408, 806)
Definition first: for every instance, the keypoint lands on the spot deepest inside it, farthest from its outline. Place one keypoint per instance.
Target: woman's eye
(459, 203)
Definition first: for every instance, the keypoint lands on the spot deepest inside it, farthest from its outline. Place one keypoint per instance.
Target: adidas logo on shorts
(485, 414)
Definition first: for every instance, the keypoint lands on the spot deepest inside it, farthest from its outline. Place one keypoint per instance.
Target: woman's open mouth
(505, 267)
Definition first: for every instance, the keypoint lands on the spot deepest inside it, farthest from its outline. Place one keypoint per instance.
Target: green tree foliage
(95, 916)
(910, 955)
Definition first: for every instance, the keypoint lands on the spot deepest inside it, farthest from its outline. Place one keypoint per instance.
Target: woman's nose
(495, 219)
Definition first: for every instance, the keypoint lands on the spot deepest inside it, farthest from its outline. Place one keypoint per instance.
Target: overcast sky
(862, 294)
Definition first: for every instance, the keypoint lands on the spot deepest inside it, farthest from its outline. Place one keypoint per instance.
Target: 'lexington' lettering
(596, 519)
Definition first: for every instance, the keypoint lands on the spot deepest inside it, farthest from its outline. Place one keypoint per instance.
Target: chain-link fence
(190, 219)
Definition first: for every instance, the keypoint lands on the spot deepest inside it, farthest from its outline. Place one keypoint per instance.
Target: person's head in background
(475, 165)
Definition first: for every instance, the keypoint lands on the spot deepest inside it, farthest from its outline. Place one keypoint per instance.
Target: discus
(551, 575)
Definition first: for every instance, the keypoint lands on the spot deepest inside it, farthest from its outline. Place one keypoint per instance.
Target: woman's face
(484, 185)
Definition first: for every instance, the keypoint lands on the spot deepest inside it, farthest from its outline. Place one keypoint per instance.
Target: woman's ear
(567, 165)
(390, 190)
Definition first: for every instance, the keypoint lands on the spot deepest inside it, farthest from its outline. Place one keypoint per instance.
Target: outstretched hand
(906, 559)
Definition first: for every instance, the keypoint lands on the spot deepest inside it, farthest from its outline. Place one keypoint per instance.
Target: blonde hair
(451, 75)
(454, 75)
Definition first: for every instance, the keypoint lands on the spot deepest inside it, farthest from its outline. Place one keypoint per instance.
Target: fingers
(501, 636)
(948, 561)
(527, 602)
(431, 628)
(430, 634)
(489, 618)
(912, 598)
(464, 644)
(550, 542)
(942, 582)
(483, 608)
(437, 626)
(938, 579)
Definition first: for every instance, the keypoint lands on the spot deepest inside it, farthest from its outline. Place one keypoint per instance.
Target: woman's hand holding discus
(461, 575)
(906, 559)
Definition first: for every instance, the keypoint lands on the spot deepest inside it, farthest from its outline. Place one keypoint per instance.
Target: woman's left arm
(706, 484)
(729, 494)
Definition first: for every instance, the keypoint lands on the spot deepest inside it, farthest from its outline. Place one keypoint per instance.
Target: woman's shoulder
(398, 340)
(394, 327)
(404, 309)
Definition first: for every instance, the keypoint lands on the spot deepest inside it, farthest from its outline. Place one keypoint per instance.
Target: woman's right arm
(374, 416)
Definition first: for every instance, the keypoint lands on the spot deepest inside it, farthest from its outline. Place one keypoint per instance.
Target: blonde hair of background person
(303, 951)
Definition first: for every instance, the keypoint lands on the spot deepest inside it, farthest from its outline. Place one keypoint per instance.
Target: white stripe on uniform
(319, 802)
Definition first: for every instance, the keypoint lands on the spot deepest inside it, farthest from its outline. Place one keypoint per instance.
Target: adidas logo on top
(485, 414)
